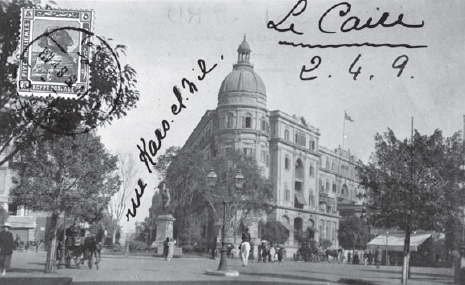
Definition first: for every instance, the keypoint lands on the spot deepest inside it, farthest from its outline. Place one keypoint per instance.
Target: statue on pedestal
(165, 196)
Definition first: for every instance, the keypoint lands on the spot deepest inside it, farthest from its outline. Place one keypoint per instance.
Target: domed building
(308, 179)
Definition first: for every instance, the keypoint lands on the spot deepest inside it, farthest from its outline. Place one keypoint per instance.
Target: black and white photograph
(232, 142)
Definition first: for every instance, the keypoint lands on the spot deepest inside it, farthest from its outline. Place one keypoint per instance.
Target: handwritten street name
(148, 150)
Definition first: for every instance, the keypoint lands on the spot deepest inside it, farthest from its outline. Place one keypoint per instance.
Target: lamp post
(387, 254)
(63, 245)
(223, 267)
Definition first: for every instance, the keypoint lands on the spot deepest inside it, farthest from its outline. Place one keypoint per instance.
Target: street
(27, 268)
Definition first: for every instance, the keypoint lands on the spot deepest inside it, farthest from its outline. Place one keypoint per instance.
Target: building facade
(309, 180)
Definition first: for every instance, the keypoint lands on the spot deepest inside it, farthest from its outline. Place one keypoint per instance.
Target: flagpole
(344, 129)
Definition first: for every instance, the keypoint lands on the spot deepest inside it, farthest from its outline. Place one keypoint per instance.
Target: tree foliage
(23, 120)
(275, 232)
(187, 175)
(414, 184)
(76, 175)
(353, 233)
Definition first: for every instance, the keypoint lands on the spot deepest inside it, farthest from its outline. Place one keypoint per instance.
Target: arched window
(286, 134)
(298, 224)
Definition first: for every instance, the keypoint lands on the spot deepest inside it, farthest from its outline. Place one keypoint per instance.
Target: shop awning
(299, 197)
(395, 242)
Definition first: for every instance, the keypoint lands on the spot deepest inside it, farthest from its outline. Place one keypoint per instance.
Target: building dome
(243, 78)
(242, 84)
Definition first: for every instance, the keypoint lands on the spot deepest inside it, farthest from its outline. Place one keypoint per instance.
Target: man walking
(7, 244)
(245, 247)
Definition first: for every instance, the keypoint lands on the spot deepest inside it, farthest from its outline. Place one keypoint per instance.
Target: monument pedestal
(164, 230)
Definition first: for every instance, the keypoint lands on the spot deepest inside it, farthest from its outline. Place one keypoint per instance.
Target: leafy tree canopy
(354, 233)
(187, 175)
(275, 232)
(414, 184)
(72, 174)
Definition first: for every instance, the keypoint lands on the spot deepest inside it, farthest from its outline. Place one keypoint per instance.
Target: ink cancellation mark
(54, 52)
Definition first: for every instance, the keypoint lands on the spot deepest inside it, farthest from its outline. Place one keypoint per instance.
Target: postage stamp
(54, 51)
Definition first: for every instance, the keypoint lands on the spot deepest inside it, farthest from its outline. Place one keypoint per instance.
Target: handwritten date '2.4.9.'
(338, 19)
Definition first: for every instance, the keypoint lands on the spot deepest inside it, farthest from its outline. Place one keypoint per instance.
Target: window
(286, 163)
(300, 138)
(247, 121)
(327, 187)
(311, 171)
(312, 145)
(299, 169)
(334, 188)
(288, 195)
(286, 135)
(327, 163)
(311, 198)
(247, 151)
(263, 124)
(230, 120)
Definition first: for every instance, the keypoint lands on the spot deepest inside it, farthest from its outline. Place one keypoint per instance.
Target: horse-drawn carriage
(81, 247)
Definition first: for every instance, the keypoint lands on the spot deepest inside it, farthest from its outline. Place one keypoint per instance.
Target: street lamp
(223, 267)
(63, 245)
(387, 254)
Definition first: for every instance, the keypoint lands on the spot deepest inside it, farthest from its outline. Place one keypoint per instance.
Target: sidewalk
(27, 268)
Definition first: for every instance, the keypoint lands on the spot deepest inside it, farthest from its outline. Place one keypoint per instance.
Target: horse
(245, 250)
(333, 253)
(92, 247)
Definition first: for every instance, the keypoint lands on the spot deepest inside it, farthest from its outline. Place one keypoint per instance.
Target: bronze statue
(165, 195)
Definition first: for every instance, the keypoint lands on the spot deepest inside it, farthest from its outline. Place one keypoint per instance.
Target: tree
(193, 196)
(275, 232)
(25, 120)
(325, 243)
(128, 171)
(71, 175)
(353, 233)
(414, 184)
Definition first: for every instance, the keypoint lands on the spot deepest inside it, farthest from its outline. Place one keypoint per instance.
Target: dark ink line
(142, 186)
(285, 43)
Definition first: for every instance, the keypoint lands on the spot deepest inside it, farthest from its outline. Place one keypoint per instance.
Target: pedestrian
(377, 256)
(273, 256)
(460, 267)
(265, 251)
(165, 248)
(279, 251)
(17, 241)
(245, 247)
(6, 248)
(170, 249)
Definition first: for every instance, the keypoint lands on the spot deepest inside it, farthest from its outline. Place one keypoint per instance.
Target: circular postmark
(75, 78)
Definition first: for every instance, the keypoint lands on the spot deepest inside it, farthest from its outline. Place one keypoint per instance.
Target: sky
(165, 40)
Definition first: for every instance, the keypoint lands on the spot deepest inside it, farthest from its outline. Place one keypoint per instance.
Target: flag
(347, 117)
